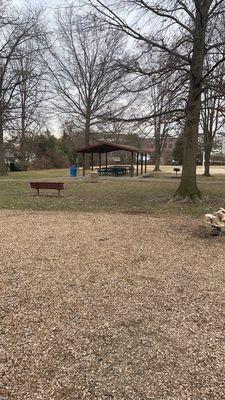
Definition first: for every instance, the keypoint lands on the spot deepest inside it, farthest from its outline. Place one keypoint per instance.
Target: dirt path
(110, 307)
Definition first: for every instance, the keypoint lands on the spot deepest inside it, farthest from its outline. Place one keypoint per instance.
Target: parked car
(173, 162)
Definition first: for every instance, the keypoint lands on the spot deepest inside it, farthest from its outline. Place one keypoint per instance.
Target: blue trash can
(73, 171)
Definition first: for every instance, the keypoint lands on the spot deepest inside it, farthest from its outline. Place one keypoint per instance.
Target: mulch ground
(110, 306)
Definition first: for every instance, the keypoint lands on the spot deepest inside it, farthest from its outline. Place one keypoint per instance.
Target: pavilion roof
(107, 147)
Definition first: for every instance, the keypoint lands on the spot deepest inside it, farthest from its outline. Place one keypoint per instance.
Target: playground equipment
(216, 221)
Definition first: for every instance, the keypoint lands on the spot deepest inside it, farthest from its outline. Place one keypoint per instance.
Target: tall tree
(16, 29)
(29, 113)
(212, 110)
(84, 69)
(164, 98)
(181, 36)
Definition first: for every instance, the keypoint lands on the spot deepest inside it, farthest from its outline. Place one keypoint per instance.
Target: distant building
(223, 145)
(219, 146)
(167, 154)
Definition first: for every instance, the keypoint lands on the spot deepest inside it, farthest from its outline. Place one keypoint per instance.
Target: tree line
(103, 68)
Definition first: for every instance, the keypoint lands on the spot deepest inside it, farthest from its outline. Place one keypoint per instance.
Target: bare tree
(212, 120)
(30, 109)
(213, 101)
(164, 98)
(15, 30)
(182, 32)
(84, 70)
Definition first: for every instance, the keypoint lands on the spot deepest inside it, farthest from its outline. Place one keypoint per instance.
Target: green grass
(149, 196)
(38, 174)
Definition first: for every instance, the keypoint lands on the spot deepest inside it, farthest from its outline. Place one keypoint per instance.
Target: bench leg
(38, 192)
(58, 192)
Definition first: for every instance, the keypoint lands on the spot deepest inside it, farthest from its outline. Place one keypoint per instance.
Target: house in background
(223, 145)
(167, 153)
(219, 145)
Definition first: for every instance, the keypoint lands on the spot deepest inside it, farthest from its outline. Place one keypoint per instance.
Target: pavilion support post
(84, 164)
(145, 163)
(92, 161)
(132, 164)
(137, 162)
(141, 163)
(100, 162)
(106, 160)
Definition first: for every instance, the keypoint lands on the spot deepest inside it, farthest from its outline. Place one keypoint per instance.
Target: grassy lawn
(149, 196)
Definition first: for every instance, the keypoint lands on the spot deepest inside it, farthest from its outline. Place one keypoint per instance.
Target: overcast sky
(50, 3)
(36, 2)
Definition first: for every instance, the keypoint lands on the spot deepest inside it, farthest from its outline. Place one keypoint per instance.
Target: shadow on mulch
(144, 213)
(51, 195)
(204, 232)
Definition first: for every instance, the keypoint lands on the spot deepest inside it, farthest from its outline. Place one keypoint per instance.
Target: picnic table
(115, 170)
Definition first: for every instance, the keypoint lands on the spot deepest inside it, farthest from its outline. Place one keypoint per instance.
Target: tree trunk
(87, 126)
(188, 185)
(3, 170)
(208, 149)
(157, 162)
(23, 135)
(87, 133)
(87, 137)
(157, 149)
(22, 152)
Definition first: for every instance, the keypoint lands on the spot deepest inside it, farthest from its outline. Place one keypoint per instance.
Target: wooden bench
(47, 185)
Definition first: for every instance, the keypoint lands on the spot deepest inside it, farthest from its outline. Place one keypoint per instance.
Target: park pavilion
(138, 156)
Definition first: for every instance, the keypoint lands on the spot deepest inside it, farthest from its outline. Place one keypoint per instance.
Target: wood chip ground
(110, 306)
